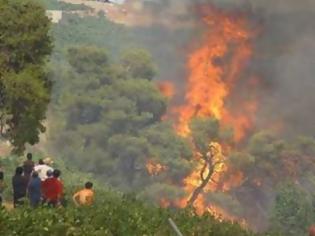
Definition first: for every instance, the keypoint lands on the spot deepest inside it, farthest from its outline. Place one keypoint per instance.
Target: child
(84, 197)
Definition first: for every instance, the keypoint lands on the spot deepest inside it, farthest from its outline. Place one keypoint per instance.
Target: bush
(112, 214)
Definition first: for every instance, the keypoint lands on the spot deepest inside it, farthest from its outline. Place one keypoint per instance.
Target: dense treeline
(109, 121)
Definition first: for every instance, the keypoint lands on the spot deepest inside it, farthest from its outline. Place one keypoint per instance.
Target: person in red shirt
(312, 231)
(52, 189)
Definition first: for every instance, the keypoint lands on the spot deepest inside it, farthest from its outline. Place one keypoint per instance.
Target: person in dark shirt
(28, 166)
(19, 184)
(1, 184)
(34, 190)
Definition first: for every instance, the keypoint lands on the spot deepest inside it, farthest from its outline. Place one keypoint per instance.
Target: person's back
(34, 190)
(42, 169)
(312, 231)
(45, 185)
(52, 189)
(84, 197)
(1, 184)
(28, 165)
(19, 184)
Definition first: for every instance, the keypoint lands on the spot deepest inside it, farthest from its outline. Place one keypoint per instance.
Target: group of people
(41, 184)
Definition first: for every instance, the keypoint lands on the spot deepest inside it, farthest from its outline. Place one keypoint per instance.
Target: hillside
(173, 108)
(112, 214)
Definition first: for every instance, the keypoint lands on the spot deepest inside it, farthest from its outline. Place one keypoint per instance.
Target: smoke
(283, 59)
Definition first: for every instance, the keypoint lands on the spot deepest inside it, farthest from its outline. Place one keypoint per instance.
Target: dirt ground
(5, 149)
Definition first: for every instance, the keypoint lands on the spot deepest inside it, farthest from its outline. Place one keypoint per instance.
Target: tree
(24, 87)
(87, 59)
(139, 64)
(206, 133)
(292, 213)
(110, 120)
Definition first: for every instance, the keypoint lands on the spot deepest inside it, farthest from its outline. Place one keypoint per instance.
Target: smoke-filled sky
(284, 57)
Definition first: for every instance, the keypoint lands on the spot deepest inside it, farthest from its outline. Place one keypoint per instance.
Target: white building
(54, 15)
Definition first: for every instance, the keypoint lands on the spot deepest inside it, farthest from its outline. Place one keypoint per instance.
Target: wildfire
(219, 163)
(166, 88)
(154, 168)
(215, 68)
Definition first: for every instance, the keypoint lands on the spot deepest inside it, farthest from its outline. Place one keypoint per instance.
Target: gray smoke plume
(284, 56)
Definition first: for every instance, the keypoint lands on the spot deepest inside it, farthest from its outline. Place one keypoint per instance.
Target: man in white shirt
(42, 169)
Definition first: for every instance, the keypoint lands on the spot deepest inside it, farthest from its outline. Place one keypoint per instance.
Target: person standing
(34, 190)
(45, 185)
(28, 166)
(84, 197)
(42, 169)
(52, 189)
(1, 184)
(19, 184)
(312, 231)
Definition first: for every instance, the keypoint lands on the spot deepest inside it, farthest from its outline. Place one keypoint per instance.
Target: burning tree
(207, 115)
(213, 162)
(210, 163)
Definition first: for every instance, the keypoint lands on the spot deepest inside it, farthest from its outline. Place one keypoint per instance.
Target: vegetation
(112, 112)
(112, 215)
(24, 87)
(291, 213)
(106, 119)
(58, 5)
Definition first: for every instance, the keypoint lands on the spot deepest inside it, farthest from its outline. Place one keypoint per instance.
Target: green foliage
(306, 145)
(139, 64)
(111, 215)
(24, 87)
(25, 38)
(242, 160)
(205, 130)
(292, 214)
(110, 120)
(58, 5)
(26, 98)
(94, 31)
(87, 60)
(265, 145)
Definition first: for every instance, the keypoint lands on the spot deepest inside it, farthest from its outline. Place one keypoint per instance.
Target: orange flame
(215, 68)
(216, 71)
(166, 88)
(154, 168)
